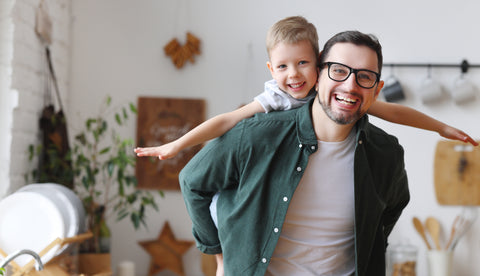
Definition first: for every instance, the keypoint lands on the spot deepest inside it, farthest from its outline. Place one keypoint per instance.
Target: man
(310, 191)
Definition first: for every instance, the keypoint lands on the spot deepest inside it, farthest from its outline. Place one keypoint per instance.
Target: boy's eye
(303, 62)
(282, 66)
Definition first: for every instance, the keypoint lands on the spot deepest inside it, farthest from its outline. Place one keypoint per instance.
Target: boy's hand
(162, 152)
(456, 134)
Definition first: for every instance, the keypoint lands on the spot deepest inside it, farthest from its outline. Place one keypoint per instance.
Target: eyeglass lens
(340, 72)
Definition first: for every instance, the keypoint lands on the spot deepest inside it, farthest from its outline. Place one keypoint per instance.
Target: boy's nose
(293, 72)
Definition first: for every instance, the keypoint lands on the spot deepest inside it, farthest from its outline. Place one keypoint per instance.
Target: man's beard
(340, 118)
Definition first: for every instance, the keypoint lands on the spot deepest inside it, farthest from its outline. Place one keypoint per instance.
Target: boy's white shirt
(273, 98)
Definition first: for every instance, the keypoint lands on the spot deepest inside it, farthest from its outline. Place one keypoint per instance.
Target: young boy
(292, 46)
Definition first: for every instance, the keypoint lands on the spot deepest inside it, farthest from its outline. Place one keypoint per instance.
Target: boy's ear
(270, 67)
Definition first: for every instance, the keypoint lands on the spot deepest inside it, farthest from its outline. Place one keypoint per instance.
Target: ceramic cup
(463, 90)
(393, 90)
(440, 262)
(431, 91)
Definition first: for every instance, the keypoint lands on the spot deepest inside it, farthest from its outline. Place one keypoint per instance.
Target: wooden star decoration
(166, 252)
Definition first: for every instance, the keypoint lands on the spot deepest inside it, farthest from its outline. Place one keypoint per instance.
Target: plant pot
(92, 264)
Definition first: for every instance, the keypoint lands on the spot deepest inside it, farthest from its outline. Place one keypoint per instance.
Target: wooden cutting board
(457, 173)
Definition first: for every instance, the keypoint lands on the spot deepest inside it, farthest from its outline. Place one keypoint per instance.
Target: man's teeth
(346, 100)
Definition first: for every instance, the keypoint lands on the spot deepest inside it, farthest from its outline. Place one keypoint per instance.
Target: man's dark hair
(356, 38)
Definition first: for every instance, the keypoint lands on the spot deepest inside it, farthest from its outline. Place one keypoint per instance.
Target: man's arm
(400, 194)
(211, 170)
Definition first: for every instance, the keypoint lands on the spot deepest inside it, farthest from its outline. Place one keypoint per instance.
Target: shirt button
(313, 148)
(275, 230)
(299, 169)
(300, 145)
(360, 142)
(264, 260)
(285, 198)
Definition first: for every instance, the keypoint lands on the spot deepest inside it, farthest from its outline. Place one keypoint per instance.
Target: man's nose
(351, 81)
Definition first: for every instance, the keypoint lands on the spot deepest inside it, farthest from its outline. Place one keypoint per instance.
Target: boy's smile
(294, 67)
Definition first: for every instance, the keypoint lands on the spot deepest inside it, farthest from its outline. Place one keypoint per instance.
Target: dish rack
(48, 270)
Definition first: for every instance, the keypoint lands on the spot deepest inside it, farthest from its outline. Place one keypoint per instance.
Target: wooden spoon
(433, 227)
(419, 227)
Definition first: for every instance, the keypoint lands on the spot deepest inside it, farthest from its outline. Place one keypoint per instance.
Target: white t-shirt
(317, 236)
(273, 98)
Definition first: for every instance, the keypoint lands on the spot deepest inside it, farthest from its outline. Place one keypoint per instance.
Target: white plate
(29, 220)
(67, 202)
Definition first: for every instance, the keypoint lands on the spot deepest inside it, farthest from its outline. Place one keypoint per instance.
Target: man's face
(346, 102)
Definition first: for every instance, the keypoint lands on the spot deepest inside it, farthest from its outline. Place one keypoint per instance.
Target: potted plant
(103, 165)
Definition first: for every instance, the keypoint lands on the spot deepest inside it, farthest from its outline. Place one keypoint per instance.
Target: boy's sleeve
(211, 170)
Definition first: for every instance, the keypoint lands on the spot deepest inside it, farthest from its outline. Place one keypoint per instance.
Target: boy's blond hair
(292, 30)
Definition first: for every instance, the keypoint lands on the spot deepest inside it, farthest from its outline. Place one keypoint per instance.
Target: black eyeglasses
(340, 72)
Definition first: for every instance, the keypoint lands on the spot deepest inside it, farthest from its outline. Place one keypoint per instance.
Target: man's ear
(379, 88)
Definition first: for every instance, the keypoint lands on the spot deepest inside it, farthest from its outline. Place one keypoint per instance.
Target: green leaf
(110, 168)
(104, 150)
(118, 119)
(135, 218)
(31, 152)
(133, 108)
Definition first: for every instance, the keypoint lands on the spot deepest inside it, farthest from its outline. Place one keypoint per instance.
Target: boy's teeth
(296, 85)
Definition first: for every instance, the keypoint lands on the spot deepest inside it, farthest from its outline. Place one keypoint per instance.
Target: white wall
(118, 50)
(23, 77)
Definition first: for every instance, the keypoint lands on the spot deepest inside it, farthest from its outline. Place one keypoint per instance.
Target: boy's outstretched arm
(404, 115)
(207, 130)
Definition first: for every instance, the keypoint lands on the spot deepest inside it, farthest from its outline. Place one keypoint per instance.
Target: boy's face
(345, 101)
(294, 67)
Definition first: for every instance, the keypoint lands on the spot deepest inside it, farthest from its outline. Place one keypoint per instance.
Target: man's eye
(364, 76)
(340, 71)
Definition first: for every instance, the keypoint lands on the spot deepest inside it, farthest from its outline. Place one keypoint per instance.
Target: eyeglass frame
(352, 70)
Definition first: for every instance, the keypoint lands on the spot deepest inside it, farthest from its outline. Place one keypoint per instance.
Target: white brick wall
(27, 64)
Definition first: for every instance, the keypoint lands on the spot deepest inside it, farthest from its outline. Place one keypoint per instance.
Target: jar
(402, 260)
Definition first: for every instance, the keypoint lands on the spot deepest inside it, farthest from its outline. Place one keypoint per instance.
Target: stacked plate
(36, 215)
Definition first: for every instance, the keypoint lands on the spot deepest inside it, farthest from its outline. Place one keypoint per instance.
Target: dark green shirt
(257, 166)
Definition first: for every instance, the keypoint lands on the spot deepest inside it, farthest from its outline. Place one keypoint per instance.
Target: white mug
(440, 262)
(463, 90)
(431, 91)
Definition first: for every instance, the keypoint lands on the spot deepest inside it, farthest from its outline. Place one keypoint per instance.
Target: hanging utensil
(467, 218)
(53, 124)
(434, 228)
(453, 232)
(419, 227)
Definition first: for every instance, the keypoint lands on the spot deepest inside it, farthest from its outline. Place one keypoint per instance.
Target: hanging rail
(464, 65)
